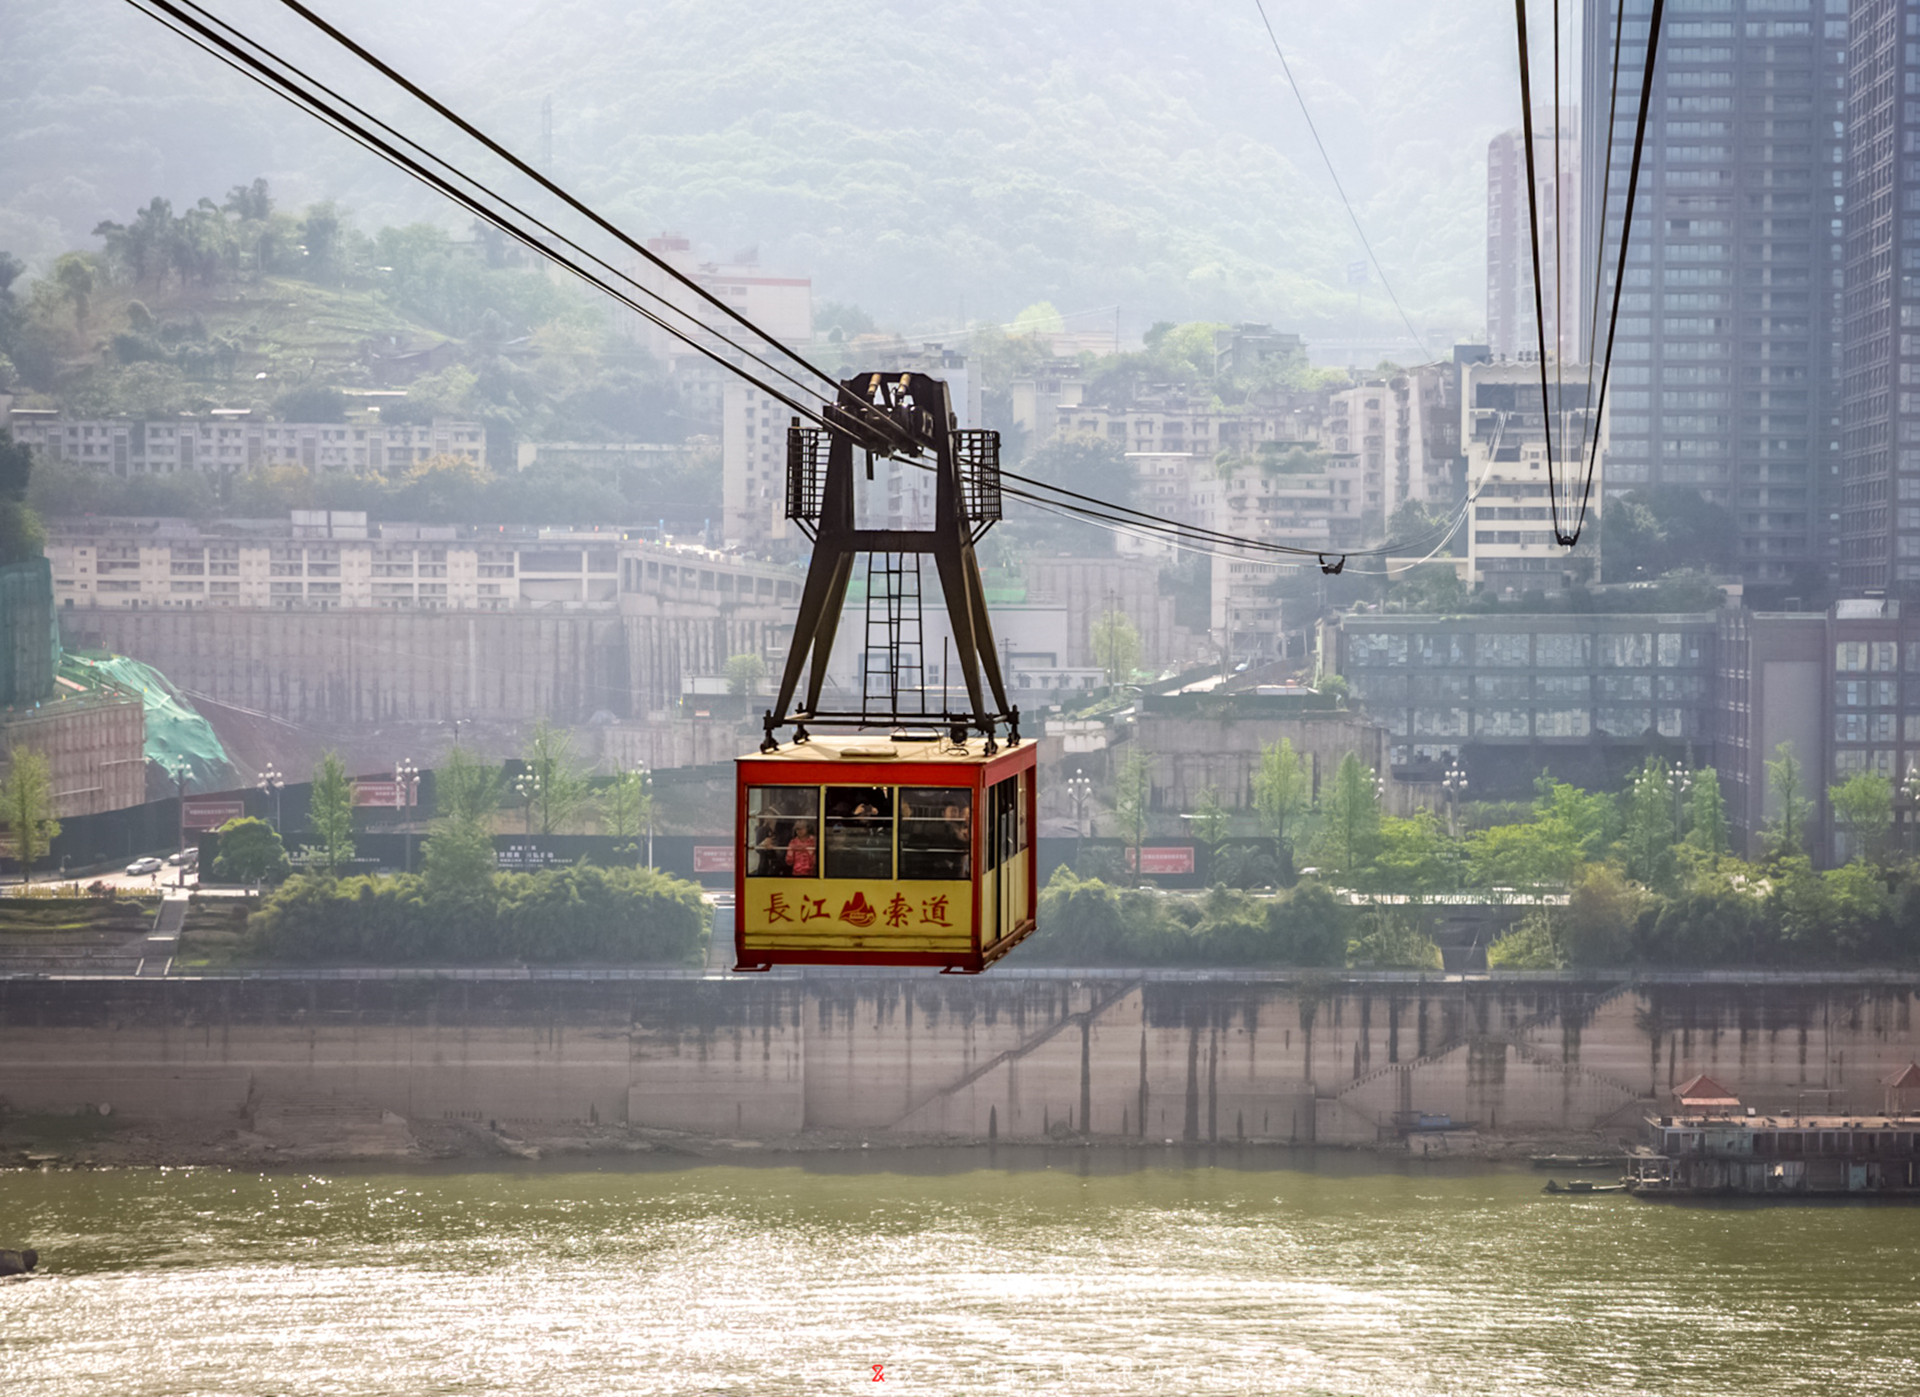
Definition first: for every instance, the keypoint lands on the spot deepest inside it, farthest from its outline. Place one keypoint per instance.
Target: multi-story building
(1724, 362)
(1879, 502)
(339, 562)
(237, 443)
(780, 305)
(1511, 548)
(1512, 324)
(1393, 440)
(1586, 696)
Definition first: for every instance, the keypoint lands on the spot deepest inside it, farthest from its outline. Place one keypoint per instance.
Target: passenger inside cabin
(801, 851)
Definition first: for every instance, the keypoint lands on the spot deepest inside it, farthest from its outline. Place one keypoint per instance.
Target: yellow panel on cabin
(856, 914)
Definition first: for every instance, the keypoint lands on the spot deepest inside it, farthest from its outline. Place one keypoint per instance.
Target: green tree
(1132, 798)
(467, 791)
(1394, 938)
(745, 674)
(1210, 819)
(1282, 795)
(1602, 910)
(1707, 814)
(1529, 944)
(250, 852)
(563, 781)
(1863, 808)
(457, 860)
(1116, 645)
(1786, 832)
(73, 274)
(1647, 835)
(330, 814)
(29, 806)
(1349, 819)
(626, 804)
(1413, 857)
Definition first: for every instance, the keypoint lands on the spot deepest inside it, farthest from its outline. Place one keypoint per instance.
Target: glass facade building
(1726, 353)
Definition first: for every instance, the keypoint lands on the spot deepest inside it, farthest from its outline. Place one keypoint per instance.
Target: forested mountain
(915, 159)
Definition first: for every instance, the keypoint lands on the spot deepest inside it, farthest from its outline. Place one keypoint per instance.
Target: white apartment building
(1510, 541)
(1512, 325)
(780, 305)
(234, 444)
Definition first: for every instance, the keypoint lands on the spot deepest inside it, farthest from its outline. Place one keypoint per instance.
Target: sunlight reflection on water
(1119, 1276)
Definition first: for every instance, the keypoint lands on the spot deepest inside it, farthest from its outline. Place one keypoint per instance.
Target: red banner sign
(713, 858)
(1175, 859)
(211, 814)
(376, 793)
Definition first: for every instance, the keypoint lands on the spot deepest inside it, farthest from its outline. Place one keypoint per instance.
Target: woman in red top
(800, 851)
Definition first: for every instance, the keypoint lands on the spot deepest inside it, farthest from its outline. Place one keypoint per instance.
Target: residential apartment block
(1511, 546)
(235, 444)
(1512, 322)
(347, 564)
(1725, 362)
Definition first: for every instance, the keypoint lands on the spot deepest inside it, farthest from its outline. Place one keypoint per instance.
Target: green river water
(1058, 1271)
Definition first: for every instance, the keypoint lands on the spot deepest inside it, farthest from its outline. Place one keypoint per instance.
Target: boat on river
(1582, 1186)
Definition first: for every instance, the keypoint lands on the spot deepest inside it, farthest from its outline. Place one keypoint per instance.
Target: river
(965, 1272)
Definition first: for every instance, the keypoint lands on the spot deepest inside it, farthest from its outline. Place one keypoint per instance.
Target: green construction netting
(175, 730)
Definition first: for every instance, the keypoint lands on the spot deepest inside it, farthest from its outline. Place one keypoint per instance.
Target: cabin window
(859, 826)
(783, 832)
(936, 832)
(1007, 822)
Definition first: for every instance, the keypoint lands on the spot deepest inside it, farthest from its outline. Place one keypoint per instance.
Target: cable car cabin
(864, 851)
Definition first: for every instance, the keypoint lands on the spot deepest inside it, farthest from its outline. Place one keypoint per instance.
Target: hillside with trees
(986, 153)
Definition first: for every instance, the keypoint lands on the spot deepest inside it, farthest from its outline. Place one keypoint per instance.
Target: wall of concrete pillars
(1010, 1056)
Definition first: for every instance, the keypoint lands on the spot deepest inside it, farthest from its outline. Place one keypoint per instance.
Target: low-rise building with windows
(238, 443)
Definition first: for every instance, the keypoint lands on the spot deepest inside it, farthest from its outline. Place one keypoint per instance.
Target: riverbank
(83, 1139)
(212, 1070)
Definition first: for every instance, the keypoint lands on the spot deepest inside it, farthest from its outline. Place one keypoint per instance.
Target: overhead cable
(174, 17)
(447, 113)
(1334, 175)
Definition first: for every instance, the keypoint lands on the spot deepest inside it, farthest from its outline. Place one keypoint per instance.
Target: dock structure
(1711, 1143)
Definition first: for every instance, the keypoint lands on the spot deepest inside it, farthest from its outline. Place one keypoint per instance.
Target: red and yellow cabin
(866, 851)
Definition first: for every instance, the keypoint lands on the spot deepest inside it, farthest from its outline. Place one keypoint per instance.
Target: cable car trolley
(908, 840)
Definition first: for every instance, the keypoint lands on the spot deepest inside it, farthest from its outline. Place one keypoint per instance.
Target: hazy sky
(911, 160)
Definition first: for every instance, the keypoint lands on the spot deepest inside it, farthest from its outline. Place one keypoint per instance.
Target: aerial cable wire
(289, 89)
(1418, 339)
(1620, 275)
(446, 113)
(225, 50)
(1606, 196)
(254, 69)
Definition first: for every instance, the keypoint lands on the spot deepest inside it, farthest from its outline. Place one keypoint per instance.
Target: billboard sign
(713, 858)
(211, 814)
(1166, 859)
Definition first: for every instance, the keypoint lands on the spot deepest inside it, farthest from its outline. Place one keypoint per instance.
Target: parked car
(141, 867)
(189, 857)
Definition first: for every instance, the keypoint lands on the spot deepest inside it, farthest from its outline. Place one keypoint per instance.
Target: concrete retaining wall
(1007, 1055)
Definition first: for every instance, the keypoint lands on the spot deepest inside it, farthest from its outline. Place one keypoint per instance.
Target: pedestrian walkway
(156, 955)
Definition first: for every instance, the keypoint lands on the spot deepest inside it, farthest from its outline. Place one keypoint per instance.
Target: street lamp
(272, 780)
(406, 781)
(179, 769)
(646, 797)
(1080, 789)
(528, 787)
(1454, 783)
(1679, 781)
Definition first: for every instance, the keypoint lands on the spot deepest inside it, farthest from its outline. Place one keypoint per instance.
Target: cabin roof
(881, 747)
(1704, 1091)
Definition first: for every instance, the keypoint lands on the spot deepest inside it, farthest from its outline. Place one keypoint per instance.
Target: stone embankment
(435, 1067)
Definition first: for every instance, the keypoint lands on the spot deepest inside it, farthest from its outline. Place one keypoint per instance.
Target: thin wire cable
(1299, 97)
(238, 37)
(169, 16)
(1620, 274)
(446, 113)
(1533, 229)
(255, 69)
(1606, 198)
